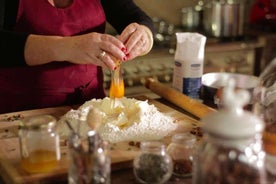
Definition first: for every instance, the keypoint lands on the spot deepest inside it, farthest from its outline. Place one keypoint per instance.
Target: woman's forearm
(79, 49)
(44, 49)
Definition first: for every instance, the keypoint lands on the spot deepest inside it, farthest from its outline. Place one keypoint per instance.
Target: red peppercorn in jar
(181, 150)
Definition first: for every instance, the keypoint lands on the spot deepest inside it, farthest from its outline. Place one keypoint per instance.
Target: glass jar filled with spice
(181, 150)
(39, 144)
(153, 164)
(231, 150)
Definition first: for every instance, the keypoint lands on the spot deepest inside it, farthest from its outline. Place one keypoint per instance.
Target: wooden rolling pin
(177, 98)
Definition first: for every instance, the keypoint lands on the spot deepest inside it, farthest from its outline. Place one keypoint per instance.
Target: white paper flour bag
(188, 67)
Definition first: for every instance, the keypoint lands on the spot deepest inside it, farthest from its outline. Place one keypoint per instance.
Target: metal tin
(190, 18)
(224, 18)
(213, 83)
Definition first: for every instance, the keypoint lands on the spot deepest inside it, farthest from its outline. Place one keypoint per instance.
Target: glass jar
(153, 164)
(181, 150)
(264, 106)
(39, 144)
(231, 149)
(88, 160)
(223, 160)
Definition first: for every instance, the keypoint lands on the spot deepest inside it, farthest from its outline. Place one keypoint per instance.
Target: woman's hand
(92, 48)
(138, 40)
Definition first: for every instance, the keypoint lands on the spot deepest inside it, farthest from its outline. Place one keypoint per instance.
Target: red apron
(57, 83)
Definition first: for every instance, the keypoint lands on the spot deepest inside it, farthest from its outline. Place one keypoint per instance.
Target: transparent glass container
(39, 144)
(88, 159)
(181, 150)
(231, 148)
(224, 160)
(264, 106)
(153, 165)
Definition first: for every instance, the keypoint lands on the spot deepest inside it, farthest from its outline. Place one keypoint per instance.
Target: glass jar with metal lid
(39, 144)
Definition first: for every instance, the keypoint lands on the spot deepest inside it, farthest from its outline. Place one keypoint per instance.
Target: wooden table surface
(127, 177)
(122, 176)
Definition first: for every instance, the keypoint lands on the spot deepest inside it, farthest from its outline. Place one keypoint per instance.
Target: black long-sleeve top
(119, 13)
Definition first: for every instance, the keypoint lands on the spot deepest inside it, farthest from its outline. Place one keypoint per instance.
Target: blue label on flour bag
(191, 87)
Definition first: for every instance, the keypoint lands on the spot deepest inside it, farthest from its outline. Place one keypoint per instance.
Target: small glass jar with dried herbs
(153, 165)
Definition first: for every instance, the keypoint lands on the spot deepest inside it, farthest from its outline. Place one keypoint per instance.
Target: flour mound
(127, 119)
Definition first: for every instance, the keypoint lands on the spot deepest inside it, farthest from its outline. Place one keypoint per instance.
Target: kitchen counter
(120, 176)
(126, 176)
(9, 164)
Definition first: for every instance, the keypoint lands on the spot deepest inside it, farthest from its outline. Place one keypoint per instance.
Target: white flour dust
(128, 120)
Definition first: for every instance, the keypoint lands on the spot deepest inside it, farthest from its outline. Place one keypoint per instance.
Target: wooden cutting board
(122, 154)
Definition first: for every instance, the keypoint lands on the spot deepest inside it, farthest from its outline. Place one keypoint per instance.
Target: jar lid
(38, 122)
(186, 138)
(233, 121)
(152, 146)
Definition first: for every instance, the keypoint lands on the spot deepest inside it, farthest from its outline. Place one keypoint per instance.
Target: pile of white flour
(127, 119)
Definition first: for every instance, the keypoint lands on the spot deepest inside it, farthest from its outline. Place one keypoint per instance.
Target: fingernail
(125, 58)
(124, 49)
(115, 67)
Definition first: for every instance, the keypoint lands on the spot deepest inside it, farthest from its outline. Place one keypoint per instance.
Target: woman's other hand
(138, 40)
(92, 48)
